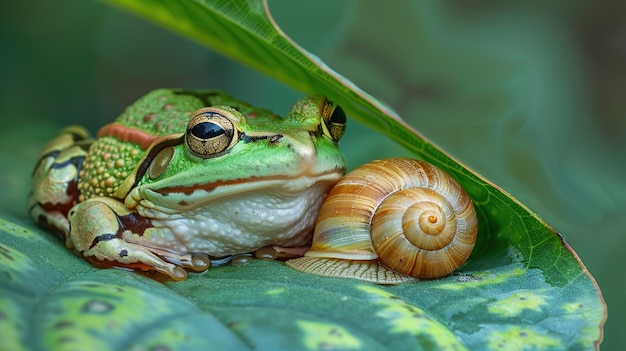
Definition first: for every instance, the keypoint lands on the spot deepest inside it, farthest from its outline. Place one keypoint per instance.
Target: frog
(183, 177)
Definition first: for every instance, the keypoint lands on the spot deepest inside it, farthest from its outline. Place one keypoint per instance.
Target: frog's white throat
(239, 219)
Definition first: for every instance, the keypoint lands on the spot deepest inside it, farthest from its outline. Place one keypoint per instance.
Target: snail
(392, 221)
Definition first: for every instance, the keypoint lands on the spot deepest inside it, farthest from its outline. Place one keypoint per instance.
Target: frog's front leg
(102, 230)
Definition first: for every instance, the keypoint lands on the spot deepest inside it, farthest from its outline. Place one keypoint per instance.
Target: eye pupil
(333, 120)
(211, 131)
(338, 116)
(207, 130)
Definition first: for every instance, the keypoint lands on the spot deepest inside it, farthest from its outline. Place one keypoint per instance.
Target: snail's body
(391, 221)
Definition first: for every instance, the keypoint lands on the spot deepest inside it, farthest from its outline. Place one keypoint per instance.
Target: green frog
(181, 177)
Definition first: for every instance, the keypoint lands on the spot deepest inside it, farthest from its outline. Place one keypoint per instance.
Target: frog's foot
(196, 262)
(107, 234)
(137, 257)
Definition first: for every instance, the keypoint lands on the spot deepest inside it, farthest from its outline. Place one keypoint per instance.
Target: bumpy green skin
(159, 113)
(140, 196)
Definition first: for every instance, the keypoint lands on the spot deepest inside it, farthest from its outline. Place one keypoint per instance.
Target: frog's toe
(200, 263)
(196, 262)
(177, 273)
(172, 270)
(175, 269)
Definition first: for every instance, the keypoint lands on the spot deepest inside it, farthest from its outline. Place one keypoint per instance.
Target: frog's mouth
(180, 198)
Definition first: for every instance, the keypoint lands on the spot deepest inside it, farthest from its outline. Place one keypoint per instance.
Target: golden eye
(333, 120)
(211, 131)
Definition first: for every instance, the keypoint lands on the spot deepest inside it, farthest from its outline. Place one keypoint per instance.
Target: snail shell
(390, 220)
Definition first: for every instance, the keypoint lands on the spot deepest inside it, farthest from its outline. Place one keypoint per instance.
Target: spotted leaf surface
(50, 299)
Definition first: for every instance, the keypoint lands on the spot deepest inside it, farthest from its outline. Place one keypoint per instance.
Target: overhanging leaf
(522, 283)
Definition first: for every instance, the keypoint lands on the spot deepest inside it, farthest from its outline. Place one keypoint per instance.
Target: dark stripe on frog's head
(151, 154)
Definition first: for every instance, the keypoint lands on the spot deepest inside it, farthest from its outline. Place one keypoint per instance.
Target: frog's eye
(333, 120)
(211, 131)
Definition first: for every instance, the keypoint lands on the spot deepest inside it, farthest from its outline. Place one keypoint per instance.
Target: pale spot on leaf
(515, 303)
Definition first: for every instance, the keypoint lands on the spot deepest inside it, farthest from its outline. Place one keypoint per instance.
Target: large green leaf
(49, 299)
(522, 286)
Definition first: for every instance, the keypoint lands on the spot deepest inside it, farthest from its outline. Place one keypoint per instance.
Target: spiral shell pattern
(409, 215)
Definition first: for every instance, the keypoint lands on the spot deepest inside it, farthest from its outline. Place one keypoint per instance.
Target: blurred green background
(530, 95)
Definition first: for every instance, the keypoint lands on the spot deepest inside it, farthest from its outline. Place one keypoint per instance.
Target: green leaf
(51, 299)
(522, 286)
